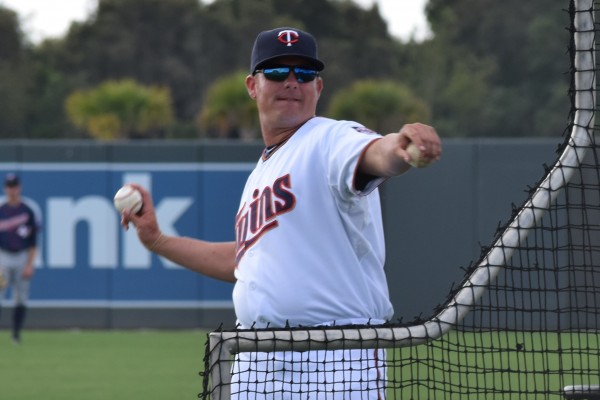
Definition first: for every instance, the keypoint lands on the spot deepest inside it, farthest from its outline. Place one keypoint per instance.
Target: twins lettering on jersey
(260, 215)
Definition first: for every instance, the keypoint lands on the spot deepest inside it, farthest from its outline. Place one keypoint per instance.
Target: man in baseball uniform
(18, 246)
(309, 246)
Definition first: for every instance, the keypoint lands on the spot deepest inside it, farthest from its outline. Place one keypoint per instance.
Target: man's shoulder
(20, 208)
(324, 126)
(328, 124)
(324, 122)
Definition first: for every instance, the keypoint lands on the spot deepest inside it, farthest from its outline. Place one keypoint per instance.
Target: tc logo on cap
(288, 37)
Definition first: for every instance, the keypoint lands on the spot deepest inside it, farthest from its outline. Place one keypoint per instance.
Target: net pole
(582, 392)
(220, 367)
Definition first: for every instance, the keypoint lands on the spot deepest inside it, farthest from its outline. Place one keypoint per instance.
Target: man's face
(13, 193)
(285, 104)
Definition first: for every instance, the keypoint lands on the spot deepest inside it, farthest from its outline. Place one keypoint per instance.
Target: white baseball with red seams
(416, 158)
(128, 198)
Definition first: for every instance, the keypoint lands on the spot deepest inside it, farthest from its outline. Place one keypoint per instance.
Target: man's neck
(274, 136)
(13, 200)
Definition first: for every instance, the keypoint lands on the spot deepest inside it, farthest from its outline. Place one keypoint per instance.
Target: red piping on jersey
(380, 389)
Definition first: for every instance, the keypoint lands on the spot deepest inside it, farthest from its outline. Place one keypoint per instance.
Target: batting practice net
(524, 323)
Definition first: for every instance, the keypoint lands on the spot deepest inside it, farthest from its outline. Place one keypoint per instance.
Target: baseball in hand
(128, 198)
(416, 159)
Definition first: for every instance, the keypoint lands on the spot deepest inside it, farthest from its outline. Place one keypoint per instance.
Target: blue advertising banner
(87, 259)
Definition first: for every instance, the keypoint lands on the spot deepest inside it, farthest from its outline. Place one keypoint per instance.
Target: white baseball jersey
(310, 246)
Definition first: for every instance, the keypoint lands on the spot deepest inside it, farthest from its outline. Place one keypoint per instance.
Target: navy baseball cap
(11, 180)
(282, 42)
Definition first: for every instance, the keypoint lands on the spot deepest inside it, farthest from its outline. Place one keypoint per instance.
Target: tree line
(175, 69)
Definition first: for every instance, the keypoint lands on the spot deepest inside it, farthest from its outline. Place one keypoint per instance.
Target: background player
(309, 246)
(18, 247)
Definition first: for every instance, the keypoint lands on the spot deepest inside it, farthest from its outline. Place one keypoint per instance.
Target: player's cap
(11, 180)
(282, 42)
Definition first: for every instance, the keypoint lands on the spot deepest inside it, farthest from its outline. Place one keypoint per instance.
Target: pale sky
(51, 18)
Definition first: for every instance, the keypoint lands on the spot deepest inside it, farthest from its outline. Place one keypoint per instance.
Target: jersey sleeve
(365, 184)
(345, 146)
(34, 227)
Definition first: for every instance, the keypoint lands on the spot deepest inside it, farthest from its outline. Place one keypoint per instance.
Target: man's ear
(319, 85)
(251, 86)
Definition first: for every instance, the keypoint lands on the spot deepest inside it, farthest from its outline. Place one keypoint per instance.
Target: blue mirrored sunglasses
(280, 74)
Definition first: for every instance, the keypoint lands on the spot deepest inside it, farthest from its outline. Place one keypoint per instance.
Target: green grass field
(165, 365)
(102, 365)
(498, 365)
